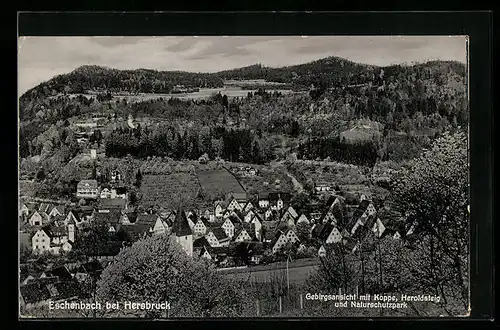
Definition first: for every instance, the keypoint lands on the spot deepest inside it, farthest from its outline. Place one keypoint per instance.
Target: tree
(132, 197)
(203, 159)
(433, 192)
(303, 232)
(156, 269)
(94, 172)
(338, 270)
(92, 240)
(138, 178)
(40, 175)
(241, 255)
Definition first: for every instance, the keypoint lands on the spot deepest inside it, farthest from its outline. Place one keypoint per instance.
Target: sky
(41, 58)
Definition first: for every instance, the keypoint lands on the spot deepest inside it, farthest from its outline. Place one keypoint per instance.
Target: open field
(218, 182)
(167, 190)
(203, 93)
(298, 272)
(267, 179)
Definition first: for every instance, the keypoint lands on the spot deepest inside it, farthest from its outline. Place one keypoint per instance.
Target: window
(36, 240)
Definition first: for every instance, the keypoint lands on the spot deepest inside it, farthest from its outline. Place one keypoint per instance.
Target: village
(269, 227)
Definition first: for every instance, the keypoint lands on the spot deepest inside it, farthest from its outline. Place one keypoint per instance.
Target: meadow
(218, 182)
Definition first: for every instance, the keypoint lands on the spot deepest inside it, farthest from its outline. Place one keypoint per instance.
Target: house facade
(38, 219)
(228, 227)
(87, 189)
(200, 228)
(280, 243)
(334, 237)
(243, 236)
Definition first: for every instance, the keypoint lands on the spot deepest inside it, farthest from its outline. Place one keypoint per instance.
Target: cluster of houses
(90, 189)
(53, 229)
(269, 225)
(42, 282)
(270, 222)
(245, 171)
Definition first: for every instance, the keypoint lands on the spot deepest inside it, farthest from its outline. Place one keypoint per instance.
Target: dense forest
(166, 141)
(406, 107)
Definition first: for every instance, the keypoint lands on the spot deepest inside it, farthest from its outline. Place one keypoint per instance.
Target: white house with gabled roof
(258, 227)
(334, 237)
(249, 216)
(234, 205)
(303, 219)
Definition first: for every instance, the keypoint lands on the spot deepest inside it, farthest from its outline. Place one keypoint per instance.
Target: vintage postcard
(243, 176)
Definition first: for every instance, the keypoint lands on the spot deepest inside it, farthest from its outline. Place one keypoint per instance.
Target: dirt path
(296, 184)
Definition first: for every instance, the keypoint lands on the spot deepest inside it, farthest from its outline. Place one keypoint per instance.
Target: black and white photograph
(199, 177)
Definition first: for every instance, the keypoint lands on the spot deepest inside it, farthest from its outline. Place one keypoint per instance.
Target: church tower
(71, 230)
(182, 232)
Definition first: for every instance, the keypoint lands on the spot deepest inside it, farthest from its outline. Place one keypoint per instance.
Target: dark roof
(181, 225)
(363, 205)
(68, 289)
(317, 230)
(235, 219)
(282, 226)
(269, 225)
(239, 196)
(115, 203)
(146, 219)
(200, 242)
(219, 233)
(325, 231)
(108, 217)
(34, 292)
(135, 231)
(332, 199)
(46, 280)
(132, 216)
(219, 251)
(86, 209)
(60, 272)
(193, 217)
(263, 196)
(55, 231)
(58, 219)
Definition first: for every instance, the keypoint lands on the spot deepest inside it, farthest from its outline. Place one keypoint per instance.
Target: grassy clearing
(168, 190)
(218, 182)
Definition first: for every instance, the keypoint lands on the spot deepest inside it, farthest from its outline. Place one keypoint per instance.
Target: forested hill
(328, 72)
